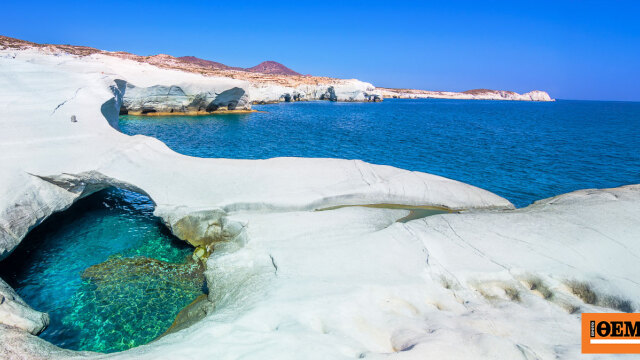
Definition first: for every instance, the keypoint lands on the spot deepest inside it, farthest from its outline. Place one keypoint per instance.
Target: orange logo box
(610, 333)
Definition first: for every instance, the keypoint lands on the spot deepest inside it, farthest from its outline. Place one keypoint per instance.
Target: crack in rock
(64, 102)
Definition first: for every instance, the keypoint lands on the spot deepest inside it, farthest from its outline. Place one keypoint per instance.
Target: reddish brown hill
(272, 67)
(207, 63)
(266, 67)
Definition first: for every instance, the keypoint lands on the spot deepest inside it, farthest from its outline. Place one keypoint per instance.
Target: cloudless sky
(572, 49)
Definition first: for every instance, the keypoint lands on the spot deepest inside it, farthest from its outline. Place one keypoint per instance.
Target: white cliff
(337, 90)
(287, 281)
(477, 94)
(161, 99)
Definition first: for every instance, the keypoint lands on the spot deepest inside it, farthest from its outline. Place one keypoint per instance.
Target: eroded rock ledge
(159, 99)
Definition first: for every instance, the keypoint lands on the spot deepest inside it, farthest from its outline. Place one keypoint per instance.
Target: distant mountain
(207, 63)
(272, 67)
(265, 67)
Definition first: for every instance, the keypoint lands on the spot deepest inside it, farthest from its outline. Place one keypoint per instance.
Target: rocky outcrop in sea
(476, 94)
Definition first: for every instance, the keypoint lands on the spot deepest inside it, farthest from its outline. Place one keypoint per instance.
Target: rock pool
(108, 272)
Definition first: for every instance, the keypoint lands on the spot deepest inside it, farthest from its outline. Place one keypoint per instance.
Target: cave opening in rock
(109, 274)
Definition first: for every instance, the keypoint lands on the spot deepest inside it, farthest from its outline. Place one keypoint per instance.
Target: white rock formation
(291, 282)
(338, 90)
(182, 99)
(16, 313)
(351, 283)
(537, 95)
(479, 94)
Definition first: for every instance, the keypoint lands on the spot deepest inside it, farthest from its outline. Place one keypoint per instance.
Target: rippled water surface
(108, 273)
(520, 150)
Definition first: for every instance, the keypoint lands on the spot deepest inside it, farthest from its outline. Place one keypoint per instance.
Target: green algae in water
(109, 274)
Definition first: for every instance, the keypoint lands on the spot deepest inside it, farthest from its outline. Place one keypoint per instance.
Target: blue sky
(572, 49)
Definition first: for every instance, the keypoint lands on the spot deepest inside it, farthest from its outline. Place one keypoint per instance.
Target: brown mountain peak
(272, 67)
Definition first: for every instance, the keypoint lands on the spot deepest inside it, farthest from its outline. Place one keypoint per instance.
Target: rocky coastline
(266, 83)
(284, 280)
(476, 94)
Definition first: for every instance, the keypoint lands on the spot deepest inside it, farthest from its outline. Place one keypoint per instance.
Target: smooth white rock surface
(352, 283)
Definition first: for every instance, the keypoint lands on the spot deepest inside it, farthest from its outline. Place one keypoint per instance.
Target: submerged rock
(151, 274)
(134, 300)
(191, 314)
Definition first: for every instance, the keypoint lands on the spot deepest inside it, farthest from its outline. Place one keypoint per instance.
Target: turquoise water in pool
(109, 274)
(523, 151)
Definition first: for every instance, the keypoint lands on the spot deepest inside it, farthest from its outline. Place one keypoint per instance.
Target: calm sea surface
(523, 151)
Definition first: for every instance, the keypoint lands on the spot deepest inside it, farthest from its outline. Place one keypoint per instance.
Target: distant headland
(270, 81)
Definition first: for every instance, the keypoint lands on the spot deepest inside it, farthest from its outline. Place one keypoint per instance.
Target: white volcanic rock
(537, 95)
(149, 88)
(291, 282)
(16, 313)
(352, 283)
(170, 99)
(478, 94)
(337, 90)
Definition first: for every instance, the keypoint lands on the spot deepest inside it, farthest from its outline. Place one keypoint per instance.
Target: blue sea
(124, 277)
(523, 151)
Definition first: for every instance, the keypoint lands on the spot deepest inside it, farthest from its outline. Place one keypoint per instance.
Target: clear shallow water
(109, 274)
(520, 150)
